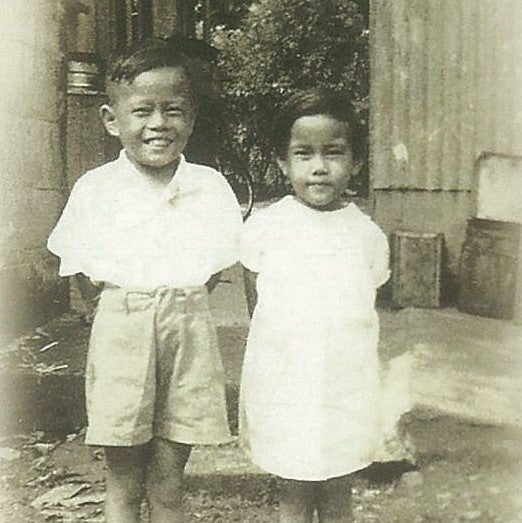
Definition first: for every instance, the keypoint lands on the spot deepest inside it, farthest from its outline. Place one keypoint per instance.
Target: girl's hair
(126, 65)
(312, 102)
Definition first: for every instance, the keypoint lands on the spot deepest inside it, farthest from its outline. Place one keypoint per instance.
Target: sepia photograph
(261, 261)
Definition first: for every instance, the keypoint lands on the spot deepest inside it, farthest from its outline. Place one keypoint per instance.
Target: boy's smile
(153, 116)
(319, 161)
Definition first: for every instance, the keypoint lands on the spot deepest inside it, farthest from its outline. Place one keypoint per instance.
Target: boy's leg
(334, 500)
(297, 501)
(125, 482)
(164, 479)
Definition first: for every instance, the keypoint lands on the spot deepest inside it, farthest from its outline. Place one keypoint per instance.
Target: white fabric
(310, 384)
(117, 228)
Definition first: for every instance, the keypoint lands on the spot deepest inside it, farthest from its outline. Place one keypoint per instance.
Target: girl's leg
(164, 478)
(334, 500)
(124, 483)
(297, 501)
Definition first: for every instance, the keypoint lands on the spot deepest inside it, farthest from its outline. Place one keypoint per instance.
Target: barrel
(488, 268)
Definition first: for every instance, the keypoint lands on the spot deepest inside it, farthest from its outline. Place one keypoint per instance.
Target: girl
(313, 262)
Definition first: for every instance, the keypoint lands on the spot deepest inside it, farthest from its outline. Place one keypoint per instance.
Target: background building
(445, 82)
(445, 88)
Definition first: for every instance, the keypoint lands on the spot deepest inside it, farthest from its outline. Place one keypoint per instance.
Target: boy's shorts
(154, 369)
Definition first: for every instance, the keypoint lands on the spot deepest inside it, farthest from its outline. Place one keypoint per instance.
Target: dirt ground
(464, 472)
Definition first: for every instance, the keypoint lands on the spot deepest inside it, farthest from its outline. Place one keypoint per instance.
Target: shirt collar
(176, 186)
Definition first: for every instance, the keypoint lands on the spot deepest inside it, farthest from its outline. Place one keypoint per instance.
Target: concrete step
(461, 365)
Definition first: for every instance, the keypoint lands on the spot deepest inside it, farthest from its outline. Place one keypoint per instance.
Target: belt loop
(158, 293)
(134, 299)
(127, 308)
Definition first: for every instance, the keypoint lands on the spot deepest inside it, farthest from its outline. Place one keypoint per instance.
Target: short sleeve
(73, 238)
(252, 242)
(379, 255)
(226, 225)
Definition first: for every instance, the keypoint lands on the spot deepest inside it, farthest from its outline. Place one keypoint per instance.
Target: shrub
(280, 47)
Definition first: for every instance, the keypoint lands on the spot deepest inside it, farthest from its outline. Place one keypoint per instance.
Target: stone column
(32, 105)
(173, 16)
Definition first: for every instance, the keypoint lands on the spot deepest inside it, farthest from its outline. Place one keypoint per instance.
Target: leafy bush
(281, 46)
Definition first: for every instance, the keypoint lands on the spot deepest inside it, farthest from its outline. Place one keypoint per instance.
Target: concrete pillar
(173, 16)
(32, 105)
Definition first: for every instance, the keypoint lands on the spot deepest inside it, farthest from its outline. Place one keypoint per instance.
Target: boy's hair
(126, 65)
(312, 102)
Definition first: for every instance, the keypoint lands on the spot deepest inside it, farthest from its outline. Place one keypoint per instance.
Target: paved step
(461, 365)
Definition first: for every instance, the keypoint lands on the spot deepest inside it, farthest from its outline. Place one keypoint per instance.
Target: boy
(154, 231)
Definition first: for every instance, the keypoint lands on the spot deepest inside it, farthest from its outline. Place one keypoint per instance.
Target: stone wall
(32, 105)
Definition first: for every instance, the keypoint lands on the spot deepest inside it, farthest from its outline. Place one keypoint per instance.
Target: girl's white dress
(310, 383)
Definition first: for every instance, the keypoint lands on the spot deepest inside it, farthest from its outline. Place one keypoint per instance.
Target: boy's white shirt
(117, 228)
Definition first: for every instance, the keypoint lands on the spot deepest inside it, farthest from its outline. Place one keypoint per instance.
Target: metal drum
(83, 76)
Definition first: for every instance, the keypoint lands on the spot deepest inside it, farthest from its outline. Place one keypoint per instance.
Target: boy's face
(153, 116)
(319, 161)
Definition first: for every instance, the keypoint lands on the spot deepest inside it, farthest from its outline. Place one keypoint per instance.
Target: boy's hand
(213, 281)
(90, 292)
(250, 289)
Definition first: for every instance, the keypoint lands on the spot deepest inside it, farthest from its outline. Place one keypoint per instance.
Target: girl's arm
(250, 289)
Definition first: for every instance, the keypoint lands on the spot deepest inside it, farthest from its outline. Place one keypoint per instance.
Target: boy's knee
(165, 473)
(125, 459)
(124, 481)
(166, 493)
(163, 483)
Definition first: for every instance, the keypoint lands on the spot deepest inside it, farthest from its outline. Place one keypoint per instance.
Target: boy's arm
(250, 289)
(89, 292)
(213, 281)
(89, 289)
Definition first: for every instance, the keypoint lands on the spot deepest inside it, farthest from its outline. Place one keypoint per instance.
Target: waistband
(164, 289)
(136, 298)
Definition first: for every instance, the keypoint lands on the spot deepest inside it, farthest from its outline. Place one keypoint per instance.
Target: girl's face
(319, 161)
